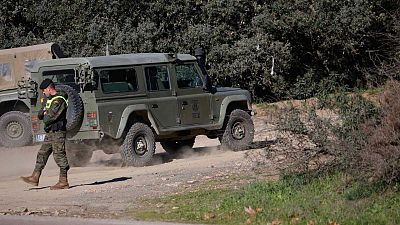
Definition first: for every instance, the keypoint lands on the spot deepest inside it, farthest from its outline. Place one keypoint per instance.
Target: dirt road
(104, 189)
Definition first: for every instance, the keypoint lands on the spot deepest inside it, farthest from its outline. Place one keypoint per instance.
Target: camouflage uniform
(55, 127)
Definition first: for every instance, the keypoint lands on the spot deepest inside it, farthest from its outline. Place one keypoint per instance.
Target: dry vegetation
(343, 132)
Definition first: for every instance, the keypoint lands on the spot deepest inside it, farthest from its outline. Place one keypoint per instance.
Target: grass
(291, 200)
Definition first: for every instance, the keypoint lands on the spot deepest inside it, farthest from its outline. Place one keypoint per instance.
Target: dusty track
(105, 189)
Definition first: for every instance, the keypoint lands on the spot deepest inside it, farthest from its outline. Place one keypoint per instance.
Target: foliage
(350, 43)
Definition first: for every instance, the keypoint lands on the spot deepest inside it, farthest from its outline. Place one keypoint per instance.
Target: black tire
(139, 146)
(15, 129)
(239, 131)
(174, 147)
(75, 108)
(78, 154)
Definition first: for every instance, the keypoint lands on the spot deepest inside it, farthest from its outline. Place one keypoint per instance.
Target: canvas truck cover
(16, 63)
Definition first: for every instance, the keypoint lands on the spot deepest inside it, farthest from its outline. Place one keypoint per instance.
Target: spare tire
(75, 108)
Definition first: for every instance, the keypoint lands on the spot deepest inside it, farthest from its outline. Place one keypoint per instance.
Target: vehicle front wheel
(15, 129)
(239, 131)
(174, 147)
(139, 146)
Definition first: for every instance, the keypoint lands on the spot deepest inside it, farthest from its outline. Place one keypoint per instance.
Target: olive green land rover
(128, 102)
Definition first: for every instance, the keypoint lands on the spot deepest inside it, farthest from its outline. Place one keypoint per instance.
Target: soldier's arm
(54, 112)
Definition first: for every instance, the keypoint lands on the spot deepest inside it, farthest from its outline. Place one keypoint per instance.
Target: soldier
(53, 115)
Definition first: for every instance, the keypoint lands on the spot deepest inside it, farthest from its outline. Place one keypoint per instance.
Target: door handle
(154, 106)
(184, 103)
(110, 116)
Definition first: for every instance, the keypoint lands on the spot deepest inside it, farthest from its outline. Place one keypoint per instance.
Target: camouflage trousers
(54, 142)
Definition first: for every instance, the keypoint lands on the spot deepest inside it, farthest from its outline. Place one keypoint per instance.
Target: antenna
(107, 50)
(272, 67)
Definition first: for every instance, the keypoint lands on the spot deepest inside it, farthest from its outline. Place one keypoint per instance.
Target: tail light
(34, 121)
(92, 119)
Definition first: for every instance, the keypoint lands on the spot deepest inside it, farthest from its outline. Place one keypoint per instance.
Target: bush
(348, 134)
(380, 159)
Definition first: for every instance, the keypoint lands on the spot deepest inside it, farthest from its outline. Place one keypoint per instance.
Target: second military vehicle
(15, 64)
(128, 102)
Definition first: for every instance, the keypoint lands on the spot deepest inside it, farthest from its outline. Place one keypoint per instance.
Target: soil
(104, 189)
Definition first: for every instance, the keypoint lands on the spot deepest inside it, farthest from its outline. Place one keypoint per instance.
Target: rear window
(62, 77)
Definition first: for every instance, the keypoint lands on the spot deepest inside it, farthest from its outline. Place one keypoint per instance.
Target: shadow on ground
(119, 179)
(262, 144)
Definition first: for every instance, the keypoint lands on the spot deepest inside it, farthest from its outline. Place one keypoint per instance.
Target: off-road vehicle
(15, 64)
(128, 102)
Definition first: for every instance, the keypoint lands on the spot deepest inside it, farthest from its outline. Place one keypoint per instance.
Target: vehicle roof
(115, 60)
(32, 48)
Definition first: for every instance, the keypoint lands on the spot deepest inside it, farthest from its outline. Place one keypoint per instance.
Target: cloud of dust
(203, 146)
(15, 162)
(100, 158)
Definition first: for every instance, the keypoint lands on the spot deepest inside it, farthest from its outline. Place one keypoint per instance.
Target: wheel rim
(14, 129)
(238, 131)
(140, 145)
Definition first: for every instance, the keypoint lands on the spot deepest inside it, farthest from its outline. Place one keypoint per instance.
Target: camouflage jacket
(54, 112)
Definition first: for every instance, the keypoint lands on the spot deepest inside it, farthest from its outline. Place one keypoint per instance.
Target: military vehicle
(15, 64)
(128, 102)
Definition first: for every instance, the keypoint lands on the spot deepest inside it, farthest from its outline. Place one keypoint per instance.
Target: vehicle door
(162, 101)
(119, 88)
(193, 101)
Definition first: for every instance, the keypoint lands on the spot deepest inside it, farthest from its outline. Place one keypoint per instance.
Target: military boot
(62, 184)
(33, 179)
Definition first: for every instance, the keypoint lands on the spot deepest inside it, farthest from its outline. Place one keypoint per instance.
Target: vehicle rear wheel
(78, 154)
(174, 147)
(239, 131)
(139, 146)
(16, 129)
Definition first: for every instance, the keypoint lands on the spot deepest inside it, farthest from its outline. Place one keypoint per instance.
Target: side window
(187, 76)
(157, 78)
(5, 71)
(118, 80)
